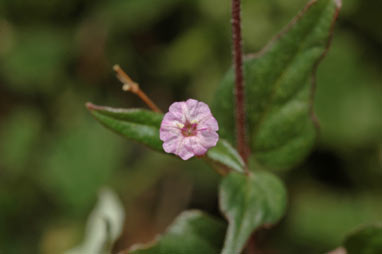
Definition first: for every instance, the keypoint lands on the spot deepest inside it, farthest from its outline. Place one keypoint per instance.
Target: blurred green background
(57, 55)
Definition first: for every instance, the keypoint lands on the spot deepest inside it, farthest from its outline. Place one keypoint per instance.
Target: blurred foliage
(366, 240)
(56, 55)
(191, 230)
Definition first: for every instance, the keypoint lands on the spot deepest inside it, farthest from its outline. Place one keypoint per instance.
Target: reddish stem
(239, 80)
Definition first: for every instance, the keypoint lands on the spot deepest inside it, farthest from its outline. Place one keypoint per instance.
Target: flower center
(189, 129)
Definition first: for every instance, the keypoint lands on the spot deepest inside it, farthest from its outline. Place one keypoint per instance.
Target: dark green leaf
(192, 232)
(367, 240)
(143, 126)
(278, 86)
(249, 202)
(136, 124)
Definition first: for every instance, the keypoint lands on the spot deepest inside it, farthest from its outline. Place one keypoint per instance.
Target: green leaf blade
(249, 202)
(191, 232)
(278, 86)
(139, 125)
(223, 154)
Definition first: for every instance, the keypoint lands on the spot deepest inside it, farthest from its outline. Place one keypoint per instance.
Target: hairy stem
(239, 80)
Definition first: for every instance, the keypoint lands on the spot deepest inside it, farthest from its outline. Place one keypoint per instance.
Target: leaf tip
(92, 107)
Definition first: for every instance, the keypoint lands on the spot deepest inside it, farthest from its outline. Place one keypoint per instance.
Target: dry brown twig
(130, 86)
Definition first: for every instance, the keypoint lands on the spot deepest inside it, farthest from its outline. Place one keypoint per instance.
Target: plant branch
(239, 80)
(130, 85)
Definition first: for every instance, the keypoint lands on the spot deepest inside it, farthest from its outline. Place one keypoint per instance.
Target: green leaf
(367, 240)
(104, 225)
(191, 232)
(249, 202)
(143, 126)
(223, 154)
(279, 89)
(136, 124)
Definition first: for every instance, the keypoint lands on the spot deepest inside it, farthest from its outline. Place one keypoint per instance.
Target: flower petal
(167, 133)
(208, 138)
(197, 148)
(184, 150)
(179, 111)
(208, 123)
(200, 112)
(172, 144)
(175, 129)
(171, 120)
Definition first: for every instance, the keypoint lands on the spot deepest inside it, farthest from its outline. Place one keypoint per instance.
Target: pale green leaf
(249, 202)
(225, 155)
(104, 225)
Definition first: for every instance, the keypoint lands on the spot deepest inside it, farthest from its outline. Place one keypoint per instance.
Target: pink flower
(188, 129)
